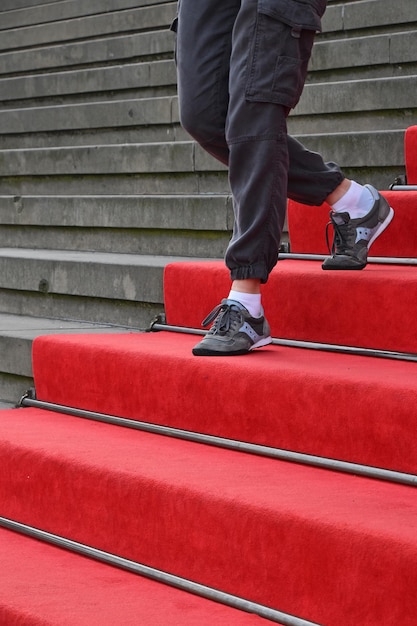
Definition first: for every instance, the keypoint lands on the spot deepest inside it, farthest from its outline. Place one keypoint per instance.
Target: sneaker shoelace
(341, 233)
(225, 316)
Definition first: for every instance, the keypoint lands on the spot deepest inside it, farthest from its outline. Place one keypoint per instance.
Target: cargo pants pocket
(280, 49)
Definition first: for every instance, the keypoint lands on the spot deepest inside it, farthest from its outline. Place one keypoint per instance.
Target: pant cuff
(256, 270)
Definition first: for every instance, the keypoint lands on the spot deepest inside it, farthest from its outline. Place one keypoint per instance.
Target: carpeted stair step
(16, 335)
(353, 408)
(328, 547)
(43, 584)
(307, 227)
(369, 309)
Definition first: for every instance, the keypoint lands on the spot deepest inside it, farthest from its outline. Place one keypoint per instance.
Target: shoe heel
(382, 227)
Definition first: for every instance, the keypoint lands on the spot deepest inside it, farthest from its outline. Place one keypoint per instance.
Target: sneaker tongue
(340, 218)
(235, 304)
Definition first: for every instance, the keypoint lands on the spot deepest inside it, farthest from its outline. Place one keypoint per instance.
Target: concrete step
(100, 160)
(364, 52)
(129, 121)
(134, 184)
(154, 168)
(17, 333)
(121, 289)
(8, 5)
(95, 118)
(122, 48)
(196, 212)
(103, 136)
(362, 152)
(368, 14)
(355, 96)
(194, 225)
(130, 78)
(55, 11)
(102, 24)
(386, 148)
(93, 274)
(70, 117)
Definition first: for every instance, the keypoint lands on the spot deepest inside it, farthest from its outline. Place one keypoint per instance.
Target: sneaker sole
(262, 342)
(209, 352)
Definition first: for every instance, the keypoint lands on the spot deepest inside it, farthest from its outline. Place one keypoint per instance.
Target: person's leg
(310, 179)
(261, 93)
(204, 47)
(246, 129)
(219, 39)
(204, 43)
(359, 213)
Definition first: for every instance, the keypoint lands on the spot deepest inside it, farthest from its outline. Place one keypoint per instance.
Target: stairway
(143, 485)
(100, 188)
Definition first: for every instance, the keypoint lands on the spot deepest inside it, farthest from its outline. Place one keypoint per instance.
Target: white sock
(251, 301)
(357, 201)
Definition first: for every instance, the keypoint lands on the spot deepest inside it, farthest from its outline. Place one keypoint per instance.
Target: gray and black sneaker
(234, 331)
(353, 237)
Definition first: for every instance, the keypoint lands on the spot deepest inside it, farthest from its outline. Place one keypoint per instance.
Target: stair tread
(249, 480)
(326, 404)
(368, 309)
(44, 584)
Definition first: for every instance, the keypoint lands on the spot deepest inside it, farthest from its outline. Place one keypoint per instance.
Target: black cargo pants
(241, 68)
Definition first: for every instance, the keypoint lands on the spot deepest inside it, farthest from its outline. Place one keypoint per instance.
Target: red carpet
(44, 585)
(307, 227)
(370, 308)
(272, 532)
(331, 548)
(352, 408)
